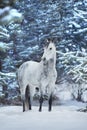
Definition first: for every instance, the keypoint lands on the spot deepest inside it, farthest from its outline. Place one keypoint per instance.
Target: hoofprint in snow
(62, 117)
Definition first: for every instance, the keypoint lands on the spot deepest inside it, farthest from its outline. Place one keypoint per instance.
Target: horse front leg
(30, 98)
(23, 105)
(41, 102)
(23, 101)
(50, 102)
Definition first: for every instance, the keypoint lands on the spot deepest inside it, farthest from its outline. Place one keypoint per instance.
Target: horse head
(49, 54)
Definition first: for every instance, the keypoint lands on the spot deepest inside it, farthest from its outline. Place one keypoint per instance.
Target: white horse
(42, 75)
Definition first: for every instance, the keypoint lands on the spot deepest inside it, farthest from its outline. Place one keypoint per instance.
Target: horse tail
(28, 97)
(27, 92)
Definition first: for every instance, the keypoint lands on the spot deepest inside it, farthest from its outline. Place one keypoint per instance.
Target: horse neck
(50, 66)
(54, 61)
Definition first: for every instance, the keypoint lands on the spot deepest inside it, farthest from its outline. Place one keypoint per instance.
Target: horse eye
(50, 48)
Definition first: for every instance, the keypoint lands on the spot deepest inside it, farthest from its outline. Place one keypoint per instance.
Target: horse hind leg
(23, 100)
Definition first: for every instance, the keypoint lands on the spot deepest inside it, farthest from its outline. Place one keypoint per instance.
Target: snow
(10, 15)
(65, 95)
(4, 10)
(3, 46)
(75, 24)
(84, 96)
(63, 117)
(10, 74)
(81, 31)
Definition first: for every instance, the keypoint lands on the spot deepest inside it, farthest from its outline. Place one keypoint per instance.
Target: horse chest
(46, 76)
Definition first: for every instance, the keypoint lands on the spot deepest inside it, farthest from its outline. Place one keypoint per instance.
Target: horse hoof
(49, 110)
(40, 110)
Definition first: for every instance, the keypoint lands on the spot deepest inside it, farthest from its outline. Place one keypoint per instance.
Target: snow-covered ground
(62, 117)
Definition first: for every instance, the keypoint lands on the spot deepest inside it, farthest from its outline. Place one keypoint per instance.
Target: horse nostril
(44, 59)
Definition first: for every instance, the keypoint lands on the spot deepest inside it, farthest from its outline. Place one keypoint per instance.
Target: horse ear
(46, 44)
(49, 41)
